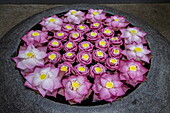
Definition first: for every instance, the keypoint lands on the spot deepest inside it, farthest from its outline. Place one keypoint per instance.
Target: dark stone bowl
(152, 96)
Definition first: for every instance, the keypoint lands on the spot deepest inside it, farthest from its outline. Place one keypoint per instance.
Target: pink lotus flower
(112, 63)
(95, 15)
(115, 40)
(81, 69)
(61, 35)
(132, 72)
(108, 87)
(70, 46)
(99, 55)
(75, 36)
(29, 57)
(75, 17)
(82, 28)
(102, 44)
(115, 51)
(44, 80)
(69, 57)
(53, 57)
(68, 27)
(97, 70)
(93, 36)
(96, 25)
(84, 57)
(137, 52)
(107, 32)
(117, 22)
(86, 46)
(133, 34)
(52, 23)
(55, 45)
(76, 89)
(65, 67)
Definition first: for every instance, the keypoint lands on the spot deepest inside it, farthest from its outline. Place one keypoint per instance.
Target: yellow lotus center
(64, 68)
(81, 27)
(114, 38)
(98, 69)
(60, 34)
(116, 51)
(68, 27)
(85, 45)
(96, 24)
(133, 31)
(35, 34)
(102, 43)
(113, 61)
(75, 85)
(85, 56)
(75, 35)
(137, 49)
(43, 76)
(116, 20)
(73, 12)
(69, 54)
(99, 53)
(70, 45)
(81, 68)
(133, 68)
(52, 56)
(52, 20)
(95, 13)
(30, 55)
(55, 43)
(107, 31)
(109, 85)
(93, 34)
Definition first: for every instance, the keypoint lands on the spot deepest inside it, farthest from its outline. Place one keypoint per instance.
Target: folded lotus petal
(27, 84)
(48, 84)
(36, 81)
(117, 83)
(21, 65)
(54, 93)
(113, 91)
(41, 91)
(82, 90)
(145, 58)
(120, 92)
(104, 93)
(103, 81)
(81, 79)
(57, 83)
(69, 94)
(61, 92)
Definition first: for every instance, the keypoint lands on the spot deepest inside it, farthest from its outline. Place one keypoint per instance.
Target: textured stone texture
(152, 96)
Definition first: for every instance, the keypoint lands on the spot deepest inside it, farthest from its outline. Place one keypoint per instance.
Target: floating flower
(65, 67)
(95, 15)
(133, 34)
(36, 36)
(115, 51)
(93, 36)
(84, 57)
(70, 46)
(97, 70)
(61, 35)
(52, 23)
(30, 57)
(107, 32)
(81, 69)
(76, 88)
(96, 25)
(76, 36)
(112, 63)
(108, 87)
(137, 52)
(75, 17)
(115, 40)
(132, 72)
(82, 28)
(68, 27)
(45, 80)
(117, 22)
(86, 46)
(55, 45)
(102, 44)
(53, 57)
(69, 57)
(99, 55)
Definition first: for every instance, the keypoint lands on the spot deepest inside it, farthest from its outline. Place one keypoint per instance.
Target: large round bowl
(150, 96)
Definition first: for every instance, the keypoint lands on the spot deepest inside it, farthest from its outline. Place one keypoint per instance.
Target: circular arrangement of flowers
(83, 56)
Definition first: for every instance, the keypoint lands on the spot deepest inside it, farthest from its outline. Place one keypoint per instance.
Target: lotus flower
(52, 23)
(84, 57)
(86, 46)
(112, 63)
(96, 25)
(54, 57)
(97, 70)
(70, 46)
(75, 36)
(68, 27)
(132, 72)
(93, 36)
(117, 22)
(36, 36)
(29, 57)
(102, 44)
(75, 17)
(65, 67)
(115, 40)
(82, 28)
(55, 45)
(108, 87)
(61, 35)
(107, 32)
(69, 57)
(45, 80)
(76, 89)
(81, 69)
(115, 51)
(95, 15)
(133, 34)
(99, 55)
(137, 52)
